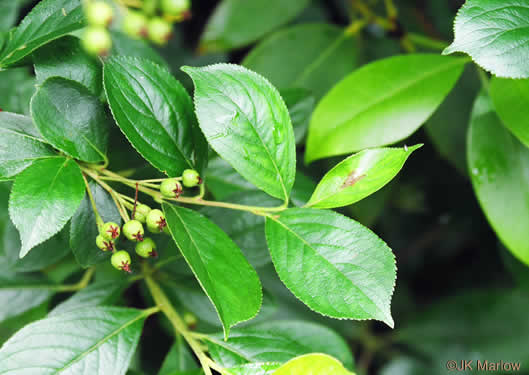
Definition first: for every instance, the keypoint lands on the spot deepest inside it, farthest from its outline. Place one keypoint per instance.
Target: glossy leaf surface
(380, 103)
(334, 265)
(247, 123)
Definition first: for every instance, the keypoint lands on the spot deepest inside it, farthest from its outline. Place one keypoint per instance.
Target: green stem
(99, 220)
(257, 210)
(83, 282)
(179, 326)
(427, 42)
(115, 197)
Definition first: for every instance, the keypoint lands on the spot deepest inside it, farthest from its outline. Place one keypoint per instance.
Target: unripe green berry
(171, 188)
(133, 230)
(190, 319)
(142, 210)
(156, 221)
(135, 24)
(96, 41)
(99, 13)
(175, 7)
(191, 178)
(110, 231)
(146, 248)
(104, 244)
(159, 30)
(121, 260)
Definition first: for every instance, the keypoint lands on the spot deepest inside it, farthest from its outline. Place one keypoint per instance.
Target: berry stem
(179, 325)
(257, 210)
(115, 197)
(99, 220)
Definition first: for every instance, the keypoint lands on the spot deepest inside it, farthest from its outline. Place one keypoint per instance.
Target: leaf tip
(450, 49)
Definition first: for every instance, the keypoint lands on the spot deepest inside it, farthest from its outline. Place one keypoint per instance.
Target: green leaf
(234, 24)
(21, 293)
(179, 359)
(71, 118)
(300, 104)
(8, 14)
(225, 275)
(223, 181)
(83, 230)
(153, 110)
(245, 228)
(302, 190)
(511, 101)
(46, 254)
(21, 85)
(123, 45)
(247, 123)
(494, 33)
(448, 126)
(189, 294)
(359, 176)
(44, 197)
(66, 58)
(20, 144)
(334, 265)
(277, 341)
(320, 364)
(380, 103)
(253, 369)
(99, 340)
(497, 163)
(49, 20)
(311, 56)
(99, 293)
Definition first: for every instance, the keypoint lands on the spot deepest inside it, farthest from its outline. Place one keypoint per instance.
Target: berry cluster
(133, 230)
(153, 21)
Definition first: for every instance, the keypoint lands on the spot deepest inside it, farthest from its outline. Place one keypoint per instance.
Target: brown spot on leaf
(352, 179)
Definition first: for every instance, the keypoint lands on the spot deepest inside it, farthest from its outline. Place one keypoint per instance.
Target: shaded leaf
(311, 56)
(497, 162)
(66, 58)
(71, 118)
(236, 23)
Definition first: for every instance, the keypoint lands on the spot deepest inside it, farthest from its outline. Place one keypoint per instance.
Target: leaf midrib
(102, 341)
(331, 264)
(391, 94)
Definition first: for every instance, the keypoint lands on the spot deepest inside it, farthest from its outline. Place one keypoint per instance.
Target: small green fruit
(99, 13)
(110, 231)
(96, 41)
(104, 244)
(133, 230)
(142, 210)
(159, 30)
(190, 319)
(156, 221)
(171, 188)
(191, 178)
(175, 7)
(121, 260)
(146, 248)
(135, 24)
